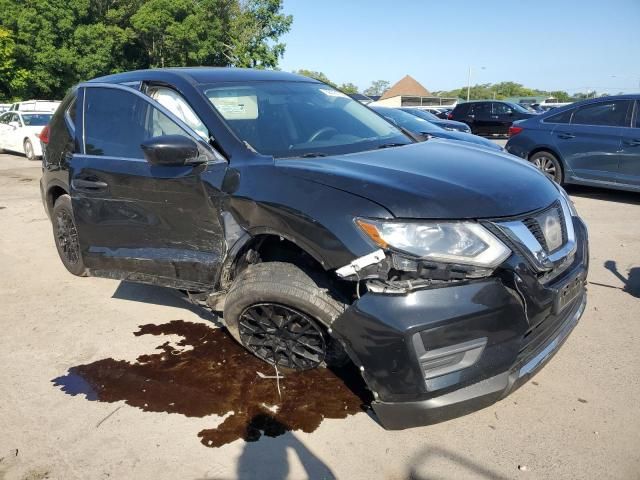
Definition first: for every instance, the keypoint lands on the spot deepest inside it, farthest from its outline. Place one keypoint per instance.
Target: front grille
(533, 225)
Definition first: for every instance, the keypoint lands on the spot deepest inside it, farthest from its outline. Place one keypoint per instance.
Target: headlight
(464, 243)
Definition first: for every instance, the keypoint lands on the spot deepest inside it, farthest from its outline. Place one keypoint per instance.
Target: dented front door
(137, 221)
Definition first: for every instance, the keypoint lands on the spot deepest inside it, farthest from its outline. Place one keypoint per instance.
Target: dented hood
(433, 179)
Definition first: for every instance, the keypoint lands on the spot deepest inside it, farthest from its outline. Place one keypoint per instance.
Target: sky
(551, 45)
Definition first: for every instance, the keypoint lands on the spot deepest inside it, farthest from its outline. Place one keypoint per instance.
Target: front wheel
(548, 164)
(65, 235)
(280, 314)
(28, 150)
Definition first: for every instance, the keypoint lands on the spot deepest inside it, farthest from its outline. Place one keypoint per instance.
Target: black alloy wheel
(67, 237)
(282, 336)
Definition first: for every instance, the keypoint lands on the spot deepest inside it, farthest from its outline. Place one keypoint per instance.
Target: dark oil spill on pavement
(207, 373)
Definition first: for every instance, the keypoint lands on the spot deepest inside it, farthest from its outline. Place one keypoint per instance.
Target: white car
(36, 106)
(20, 131)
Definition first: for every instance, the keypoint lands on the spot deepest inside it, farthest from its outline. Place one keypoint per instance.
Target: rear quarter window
(562, 117)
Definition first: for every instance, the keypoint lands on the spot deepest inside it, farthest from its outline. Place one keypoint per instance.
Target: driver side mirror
(171, 150)
(14, 124)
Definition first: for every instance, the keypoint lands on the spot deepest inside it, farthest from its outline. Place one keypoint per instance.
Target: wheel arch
(53, 193)
(271, 245)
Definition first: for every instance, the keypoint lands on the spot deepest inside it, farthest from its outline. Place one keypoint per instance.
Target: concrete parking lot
(74, 401)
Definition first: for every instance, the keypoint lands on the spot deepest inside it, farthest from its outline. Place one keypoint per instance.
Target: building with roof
(408, 92)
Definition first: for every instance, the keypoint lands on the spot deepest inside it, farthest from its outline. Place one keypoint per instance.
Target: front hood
(435, 179)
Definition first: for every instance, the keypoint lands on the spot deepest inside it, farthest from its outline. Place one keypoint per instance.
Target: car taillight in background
(44, 135)
(513, 130)
(450, 116)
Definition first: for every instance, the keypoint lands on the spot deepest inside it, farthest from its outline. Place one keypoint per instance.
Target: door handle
(566, 136)
(89, 185)
(633, 143)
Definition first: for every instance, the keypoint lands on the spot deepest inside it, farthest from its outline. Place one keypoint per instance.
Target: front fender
(317, 218)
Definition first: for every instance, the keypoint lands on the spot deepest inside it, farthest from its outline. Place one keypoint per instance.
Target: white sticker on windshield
(235, 103)
(333, 93)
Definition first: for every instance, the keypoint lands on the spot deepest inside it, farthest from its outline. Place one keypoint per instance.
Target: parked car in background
(593, 142)
(536, 108)
(489, 117)
(20, 132)
(430, 117)
(4, 107)
(440, 112)
(426, 130)
(447, 274)
(36, 106)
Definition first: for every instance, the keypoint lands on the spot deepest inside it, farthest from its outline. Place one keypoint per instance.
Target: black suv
(487, 117)
(322, 232)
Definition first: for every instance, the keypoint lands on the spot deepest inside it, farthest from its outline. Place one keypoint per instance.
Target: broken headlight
(462, 243)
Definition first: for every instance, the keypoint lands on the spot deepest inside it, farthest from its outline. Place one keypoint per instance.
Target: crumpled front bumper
(510, 321)
(400, 415)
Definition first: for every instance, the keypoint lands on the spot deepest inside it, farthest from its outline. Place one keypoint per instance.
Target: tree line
(498, 91)
(46, 46)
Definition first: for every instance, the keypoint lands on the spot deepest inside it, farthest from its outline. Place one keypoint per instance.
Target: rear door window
(502, 109)
(611, 114)
(637, 121)
(116, 122)
(482, 110)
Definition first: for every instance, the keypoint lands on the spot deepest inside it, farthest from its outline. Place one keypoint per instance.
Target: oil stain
(207, 372)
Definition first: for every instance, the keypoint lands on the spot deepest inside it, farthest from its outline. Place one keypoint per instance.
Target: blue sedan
(425, 130)
(595, 142)
(430, 117)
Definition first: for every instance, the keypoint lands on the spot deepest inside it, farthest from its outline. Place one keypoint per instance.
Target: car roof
(564, 108)
(198, 75)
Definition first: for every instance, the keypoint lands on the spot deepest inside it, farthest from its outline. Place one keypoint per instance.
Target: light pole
(469, 82)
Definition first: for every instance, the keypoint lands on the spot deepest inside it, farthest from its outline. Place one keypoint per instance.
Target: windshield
(291, 119)
(425, 115)
(410, 122)
(36, 119)
(518, 108)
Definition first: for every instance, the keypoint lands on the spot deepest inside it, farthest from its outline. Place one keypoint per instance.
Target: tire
(28, 150)
(65, 236)
(548, 164)
(281, 314)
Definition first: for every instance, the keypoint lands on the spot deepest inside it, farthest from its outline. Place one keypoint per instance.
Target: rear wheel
(548, 164)
(280, 314)
(65, 235)
(28, 150)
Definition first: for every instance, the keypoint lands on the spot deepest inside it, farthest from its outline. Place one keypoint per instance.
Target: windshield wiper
(391, 145)
(313, 155)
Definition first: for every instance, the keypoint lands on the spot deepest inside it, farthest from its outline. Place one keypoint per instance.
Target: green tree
(11, 78)
(49, 45)
(561, 95)
(377, 87)
(317, 75)
(256, 28)
(348, 88)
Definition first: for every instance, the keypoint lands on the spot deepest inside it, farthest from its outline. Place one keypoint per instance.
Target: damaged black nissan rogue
(446, 272)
